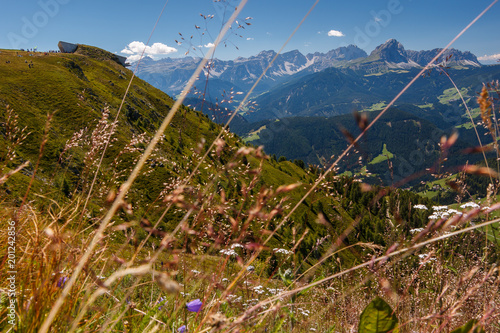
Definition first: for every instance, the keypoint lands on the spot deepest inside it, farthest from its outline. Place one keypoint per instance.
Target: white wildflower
(453, 211)
(283, 251)
(469, 204)
(259, 289)
(228, 252)
(423, 256)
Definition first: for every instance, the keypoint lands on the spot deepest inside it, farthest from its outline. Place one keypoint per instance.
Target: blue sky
(417, 24)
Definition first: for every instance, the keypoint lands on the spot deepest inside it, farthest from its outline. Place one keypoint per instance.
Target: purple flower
(182, 329)
(162, 301)
(62, 281)
(194, 306)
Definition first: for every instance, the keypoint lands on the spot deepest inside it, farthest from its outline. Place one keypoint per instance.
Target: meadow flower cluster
(228, 252)
(282, 251)
(440, 212)
(469, 205)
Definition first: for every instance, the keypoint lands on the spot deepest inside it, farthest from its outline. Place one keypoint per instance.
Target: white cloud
(136, 48)
(335, 33)
(209, 45)
(127, 51)
(134, 58)
(492, 57)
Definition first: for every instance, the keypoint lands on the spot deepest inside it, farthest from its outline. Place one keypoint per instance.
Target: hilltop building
(65, 47)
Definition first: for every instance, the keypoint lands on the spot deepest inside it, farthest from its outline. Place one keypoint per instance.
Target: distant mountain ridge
(457, 57)
(170, 75)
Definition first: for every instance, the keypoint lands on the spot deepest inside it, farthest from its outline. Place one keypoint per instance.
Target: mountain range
(171, 74)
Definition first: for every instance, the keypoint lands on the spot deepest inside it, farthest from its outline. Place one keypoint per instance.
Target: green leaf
(467, 328)
(278, 325)
(452, 269)
(377, 317)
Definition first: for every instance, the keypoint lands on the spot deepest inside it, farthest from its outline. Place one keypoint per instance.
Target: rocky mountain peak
(266, 54)
(391, 51)
(349, 52)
